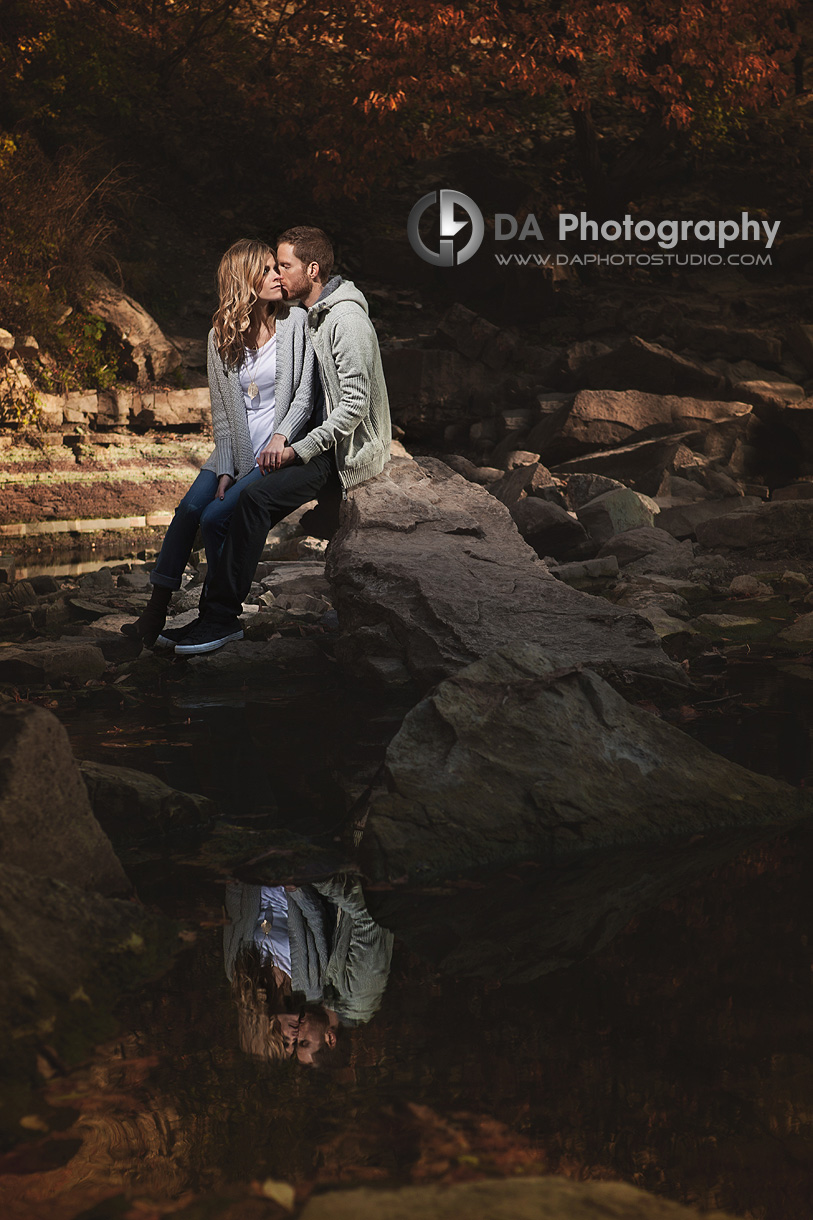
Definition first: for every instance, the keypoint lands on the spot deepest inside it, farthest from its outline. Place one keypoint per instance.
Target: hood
(345, 291)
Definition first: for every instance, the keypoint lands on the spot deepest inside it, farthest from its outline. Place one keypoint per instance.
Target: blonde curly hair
(238, 277)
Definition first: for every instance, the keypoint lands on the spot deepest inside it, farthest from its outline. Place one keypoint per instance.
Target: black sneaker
(171, 636)
(207, 637)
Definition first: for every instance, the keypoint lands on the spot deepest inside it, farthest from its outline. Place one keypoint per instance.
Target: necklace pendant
(253, 389)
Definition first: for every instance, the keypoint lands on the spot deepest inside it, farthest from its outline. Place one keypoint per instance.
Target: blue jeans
(199, 507)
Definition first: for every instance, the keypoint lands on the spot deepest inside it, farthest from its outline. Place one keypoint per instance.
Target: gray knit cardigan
(297, 384)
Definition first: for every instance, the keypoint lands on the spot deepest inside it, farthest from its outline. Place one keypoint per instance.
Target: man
(352, 442)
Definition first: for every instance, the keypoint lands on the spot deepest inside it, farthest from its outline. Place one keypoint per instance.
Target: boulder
(46, 821)
(526, 1198)
(257, 662)
(297, 576)
(147, 354)
(431, 570)
(475, 474)
(602, 418)
(550, 529)
(172, 408)
(799, 634)
(131, 805)
(614, 512)
(45, 662)
(798, 416)
(475, 338)
(781, 522)
(580, 489)
(637, 543)
(638, 365)
(429, 389)
(732, 343)
(641, 465)
(513, 758)
(555, 409)
(529, 480)
(800, 341)
(682, 521)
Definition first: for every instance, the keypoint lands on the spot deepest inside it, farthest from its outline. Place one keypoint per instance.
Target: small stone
(749, 586)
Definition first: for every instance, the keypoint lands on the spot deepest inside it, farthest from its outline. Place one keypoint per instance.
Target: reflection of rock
(46, 822)
(65, 957)
(510, 759)
(520, 930)
(527, 1198)
(428, 569)
(133, 805)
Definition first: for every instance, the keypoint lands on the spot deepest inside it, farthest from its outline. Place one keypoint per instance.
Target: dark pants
(263, 503)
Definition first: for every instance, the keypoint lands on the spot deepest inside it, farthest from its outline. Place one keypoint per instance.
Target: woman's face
(289, 1025)
(269, 285)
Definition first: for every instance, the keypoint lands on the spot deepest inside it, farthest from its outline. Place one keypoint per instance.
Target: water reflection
(674, 1054)
(305, 963)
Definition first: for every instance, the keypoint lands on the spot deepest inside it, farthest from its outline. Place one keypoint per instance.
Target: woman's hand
(271, 458)
(223, 484)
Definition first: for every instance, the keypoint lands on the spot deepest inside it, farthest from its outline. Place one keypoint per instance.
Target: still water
(642, 1016)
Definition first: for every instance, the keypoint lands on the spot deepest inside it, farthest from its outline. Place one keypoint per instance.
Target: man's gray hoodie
(358, 413)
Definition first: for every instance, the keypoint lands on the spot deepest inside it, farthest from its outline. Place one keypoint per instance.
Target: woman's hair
(258, 1000)
(238, 277)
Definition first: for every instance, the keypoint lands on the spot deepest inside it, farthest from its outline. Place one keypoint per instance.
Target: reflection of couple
(298, 403)
(304, 963)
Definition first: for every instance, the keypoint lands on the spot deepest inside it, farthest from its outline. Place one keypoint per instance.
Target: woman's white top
(271, 936)
(259, 369)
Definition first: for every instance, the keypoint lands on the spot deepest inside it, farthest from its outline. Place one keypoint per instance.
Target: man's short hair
(310, 245)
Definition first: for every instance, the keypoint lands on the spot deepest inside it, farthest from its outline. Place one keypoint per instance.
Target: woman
(263, 382)
(257, 953)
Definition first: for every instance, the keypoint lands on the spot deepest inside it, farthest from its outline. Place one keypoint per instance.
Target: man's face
(296, 283)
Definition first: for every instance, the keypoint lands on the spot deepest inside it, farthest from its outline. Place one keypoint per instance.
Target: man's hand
(271, 457)
(223, 484)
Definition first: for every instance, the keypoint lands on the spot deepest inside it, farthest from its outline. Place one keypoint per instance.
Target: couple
(298, 402)
(305, 963)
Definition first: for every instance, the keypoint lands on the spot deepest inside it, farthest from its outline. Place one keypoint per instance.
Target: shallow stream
(642, 1016)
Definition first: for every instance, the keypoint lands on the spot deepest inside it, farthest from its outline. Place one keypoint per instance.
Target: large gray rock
(781, 522)
(147, 354)
(44, 662)
(550, 529)
(641, 465)
(614, 512)
(637, 543)
(527, 1198)
(46, 822)
(513, 759)
(531, 480)
(682, 520)
(430, 570)
(133, 805)
(602, 418)
(429, 389)
(638, 365)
